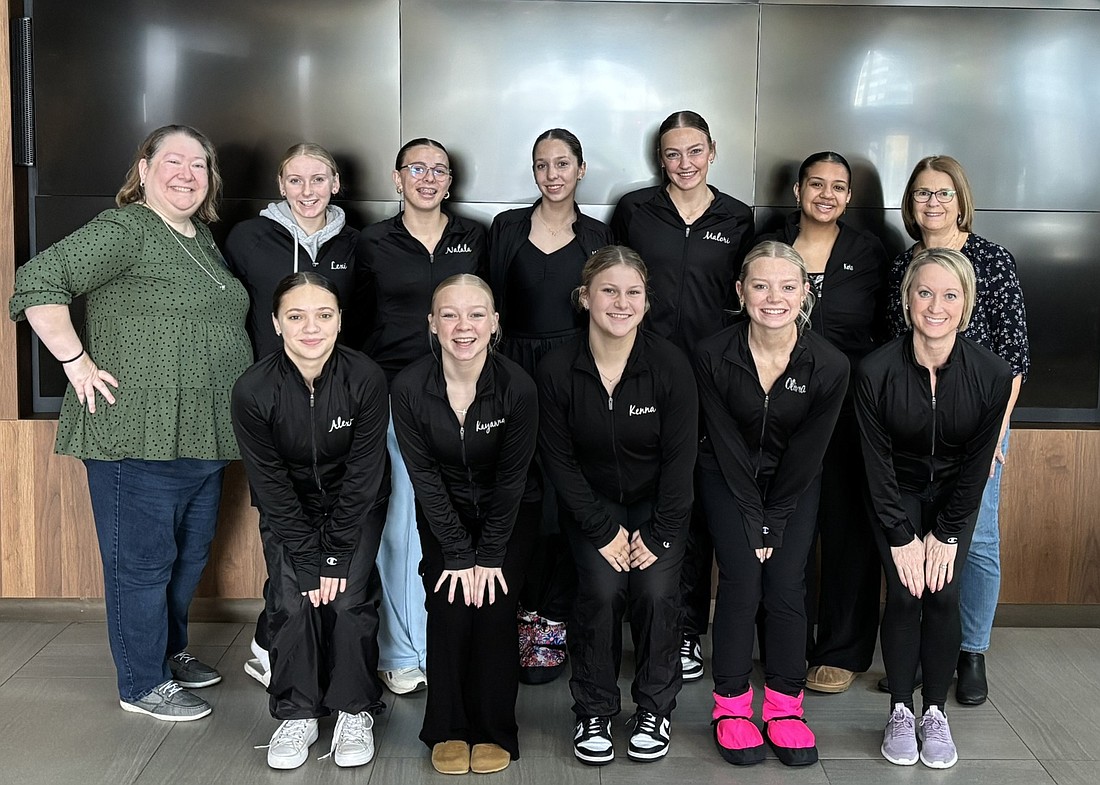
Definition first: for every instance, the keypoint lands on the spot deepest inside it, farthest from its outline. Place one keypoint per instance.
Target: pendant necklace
(553, 232)
(202, 267)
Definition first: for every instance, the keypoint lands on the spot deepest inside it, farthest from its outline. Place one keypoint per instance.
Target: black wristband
(74, 359)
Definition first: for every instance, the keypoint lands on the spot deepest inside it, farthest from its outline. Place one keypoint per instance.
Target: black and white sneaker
(649, 736)
(691, 659)
(592, 741)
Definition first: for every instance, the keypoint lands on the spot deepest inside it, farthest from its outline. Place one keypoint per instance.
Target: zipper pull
(431, 258)
(461, 433)
(610, 404)
(687, 232)
(311, 399)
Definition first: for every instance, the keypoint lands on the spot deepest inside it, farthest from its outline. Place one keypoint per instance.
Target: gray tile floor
(60, 723)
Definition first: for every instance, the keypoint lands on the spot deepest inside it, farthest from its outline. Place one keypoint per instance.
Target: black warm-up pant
(324, 659)
(776, 586)
(923, 630)
(473, 667)
(651, 601)
(850, 571)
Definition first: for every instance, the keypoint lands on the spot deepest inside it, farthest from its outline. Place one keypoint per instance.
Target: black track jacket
(692, 269)
(769, 446)
(396, 276)
(509, 232)
(936, 447)
(639, 443)
(476, 471)
(315, 462)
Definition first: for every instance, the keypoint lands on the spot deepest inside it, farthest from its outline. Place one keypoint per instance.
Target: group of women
(545, 433)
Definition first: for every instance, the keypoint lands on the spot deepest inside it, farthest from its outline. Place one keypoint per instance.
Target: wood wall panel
(9, 390)
(1050, 518)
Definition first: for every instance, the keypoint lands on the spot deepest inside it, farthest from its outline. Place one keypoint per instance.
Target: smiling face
(935, 301)
(557, 170)
(309, 321)
(308, 184)
(772, 291)
(176, 178)
(463, 319)
(824, 192)
(935, 216)
(427, 192)
(686, 156)
(615, 301)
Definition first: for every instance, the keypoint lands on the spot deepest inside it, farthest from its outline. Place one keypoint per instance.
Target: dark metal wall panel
(1010, 93)
(255, 75)
(485, 77)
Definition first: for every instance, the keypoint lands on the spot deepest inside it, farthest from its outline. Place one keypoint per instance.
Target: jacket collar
(436, 383)
(584, 362)
(737, 349)
(911, 356)
(287, 366)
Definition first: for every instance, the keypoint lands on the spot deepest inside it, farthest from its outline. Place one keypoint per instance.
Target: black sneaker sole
(590, 759)
(647, 757)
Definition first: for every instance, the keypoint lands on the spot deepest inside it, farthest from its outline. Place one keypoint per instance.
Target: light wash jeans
(981, 578)
(403, 620)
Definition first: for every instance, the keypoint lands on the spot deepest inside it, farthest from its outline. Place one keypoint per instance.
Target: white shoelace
(350, 727)
(290, 731)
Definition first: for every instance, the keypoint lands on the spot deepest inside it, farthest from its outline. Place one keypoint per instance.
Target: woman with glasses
(536, 255)
(930, 406)
(302, 233)
(847, 272)
(693, 238)
(400, 262)
(938, 211)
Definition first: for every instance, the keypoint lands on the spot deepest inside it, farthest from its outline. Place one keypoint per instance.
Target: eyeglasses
(421, 170)
(943, 196)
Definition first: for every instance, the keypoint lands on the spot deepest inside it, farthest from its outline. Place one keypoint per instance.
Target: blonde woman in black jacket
(771, 392)
(929, 405)
(466, 421)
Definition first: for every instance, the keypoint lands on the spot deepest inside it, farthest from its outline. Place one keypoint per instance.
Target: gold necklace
(202, 250)
(553, 232)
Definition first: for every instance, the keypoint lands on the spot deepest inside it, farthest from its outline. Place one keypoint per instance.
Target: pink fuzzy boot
(738, 739)
(788, 734)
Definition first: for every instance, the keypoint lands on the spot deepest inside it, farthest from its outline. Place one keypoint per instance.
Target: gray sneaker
(899, 742)
(191, 673)
(169, 702)
(937, 749)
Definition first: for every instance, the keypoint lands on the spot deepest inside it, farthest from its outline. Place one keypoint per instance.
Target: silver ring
(943, 566)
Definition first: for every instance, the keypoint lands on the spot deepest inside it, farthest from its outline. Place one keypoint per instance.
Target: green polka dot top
(170, 331)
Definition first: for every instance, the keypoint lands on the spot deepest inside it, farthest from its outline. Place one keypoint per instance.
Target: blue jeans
(155, 521)
(980, 585)
(402, 616)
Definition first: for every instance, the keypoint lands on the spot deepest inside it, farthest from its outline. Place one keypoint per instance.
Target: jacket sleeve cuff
(461, 561)
(335, 565)
(947, 538)
(308, 580)
(897, 536)
(655, 541)
(772, 538)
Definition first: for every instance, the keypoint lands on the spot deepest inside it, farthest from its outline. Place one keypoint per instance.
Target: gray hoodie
(280, 213)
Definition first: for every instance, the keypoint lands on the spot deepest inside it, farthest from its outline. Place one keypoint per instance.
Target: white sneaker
(259, 667)
(353, 739)
(289, 746)
(402, 681)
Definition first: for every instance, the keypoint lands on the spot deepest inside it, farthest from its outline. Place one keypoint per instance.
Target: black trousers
(550, 584)
(695, 575)
(473, 667)
(324, 659)
(850, 571)
(745, 585)
(923, 630)
(652, 604)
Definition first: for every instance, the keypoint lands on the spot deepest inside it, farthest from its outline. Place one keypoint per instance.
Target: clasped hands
(926, 563)
(627, 552)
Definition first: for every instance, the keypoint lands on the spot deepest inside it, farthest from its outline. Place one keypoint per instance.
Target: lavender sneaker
(899, 742)
(937, 747)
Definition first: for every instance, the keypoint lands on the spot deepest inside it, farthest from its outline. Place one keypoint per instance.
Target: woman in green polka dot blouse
(147, 408)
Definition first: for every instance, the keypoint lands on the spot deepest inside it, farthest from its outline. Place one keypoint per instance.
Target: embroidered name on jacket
(718, 237)
(792, 385)
(488, 426)
(339, 423)
(335, 265)
(460, 248)
(638, 410)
